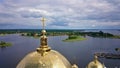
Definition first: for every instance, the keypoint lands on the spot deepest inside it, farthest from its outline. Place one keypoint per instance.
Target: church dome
(44, 57)
(95, 63)
(52, 59)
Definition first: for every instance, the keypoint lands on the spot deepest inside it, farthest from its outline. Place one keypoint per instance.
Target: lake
(80, 52)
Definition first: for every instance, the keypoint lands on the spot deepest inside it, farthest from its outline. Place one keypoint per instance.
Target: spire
(95, 58)
(44, 48)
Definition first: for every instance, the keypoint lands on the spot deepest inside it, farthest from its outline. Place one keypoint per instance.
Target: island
(2, 34)
(117, 49)
(73, 38)
(4, 44)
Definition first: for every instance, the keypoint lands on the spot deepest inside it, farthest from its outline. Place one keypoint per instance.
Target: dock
(108, 55)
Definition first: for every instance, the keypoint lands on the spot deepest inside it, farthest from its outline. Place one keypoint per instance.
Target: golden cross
(43, 22)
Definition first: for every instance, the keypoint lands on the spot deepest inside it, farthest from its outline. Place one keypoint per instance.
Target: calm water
(80, 52)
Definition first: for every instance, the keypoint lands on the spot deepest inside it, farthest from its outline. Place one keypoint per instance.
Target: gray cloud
(61, 13)
(6, 15)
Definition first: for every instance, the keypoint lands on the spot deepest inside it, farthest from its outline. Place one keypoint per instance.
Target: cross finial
(43, 22)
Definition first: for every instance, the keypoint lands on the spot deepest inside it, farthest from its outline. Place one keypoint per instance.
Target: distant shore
(37, 33)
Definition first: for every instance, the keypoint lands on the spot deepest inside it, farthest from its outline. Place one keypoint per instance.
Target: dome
(44, 57)
(52, 59)
(95, 64)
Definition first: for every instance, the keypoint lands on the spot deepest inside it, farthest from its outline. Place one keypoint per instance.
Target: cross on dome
(43, 22)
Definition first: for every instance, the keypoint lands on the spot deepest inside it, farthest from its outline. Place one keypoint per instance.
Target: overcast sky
(60, 14)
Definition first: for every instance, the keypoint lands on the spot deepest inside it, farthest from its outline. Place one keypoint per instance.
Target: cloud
(61, 13)
(6, 15)
(32, 12)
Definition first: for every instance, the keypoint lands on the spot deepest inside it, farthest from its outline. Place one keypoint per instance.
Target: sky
(60, 14)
